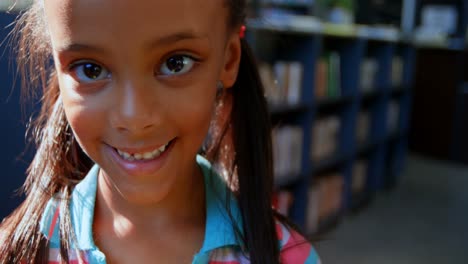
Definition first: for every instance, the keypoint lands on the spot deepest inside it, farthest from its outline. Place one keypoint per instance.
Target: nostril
(149, 126)
(134, 128)
(136, 113)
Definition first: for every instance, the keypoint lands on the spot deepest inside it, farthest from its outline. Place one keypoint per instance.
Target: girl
(141, 95)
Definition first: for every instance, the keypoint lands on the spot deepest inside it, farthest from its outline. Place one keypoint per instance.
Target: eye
(177, 65)
(86, 72)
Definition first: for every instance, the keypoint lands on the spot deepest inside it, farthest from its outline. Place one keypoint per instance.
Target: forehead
(130, 19)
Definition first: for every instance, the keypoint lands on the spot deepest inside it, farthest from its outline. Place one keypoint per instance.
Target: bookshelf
(354, 107)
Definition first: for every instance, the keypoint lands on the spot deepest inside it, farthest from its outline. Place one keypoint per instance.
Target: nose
(136, 107)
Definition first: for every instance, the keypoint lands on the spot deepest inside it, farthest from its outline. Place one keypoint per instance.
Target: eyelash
(72, 68)
(74, 65)
(195, 62)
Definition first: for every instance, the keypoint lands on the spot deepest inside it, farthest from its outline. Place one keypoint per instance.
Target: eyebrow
(173, 38)
(165, 40)
(78, 47)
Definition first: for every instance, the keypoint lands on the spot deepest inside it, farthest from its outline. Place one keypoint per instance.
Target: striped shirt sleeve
(294, 248)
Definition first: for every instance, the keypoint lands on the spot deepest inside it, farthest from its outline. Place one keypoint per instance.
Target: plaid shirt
(219, 247)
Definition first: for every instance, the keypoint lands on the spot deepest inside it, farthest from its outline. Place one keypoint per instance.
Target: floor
(423, 220)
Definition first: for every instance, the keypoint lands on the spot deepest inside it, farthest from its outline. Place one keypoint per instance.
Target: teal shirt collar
(219, 229)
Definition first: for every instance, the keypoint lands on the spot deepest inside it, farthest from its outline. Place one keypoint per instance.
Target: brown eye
(92, 71)
(177, 64)
(86, 72)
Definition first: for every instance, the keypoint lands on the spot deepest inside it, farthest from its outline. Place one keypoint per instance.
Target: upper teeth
(142, 156)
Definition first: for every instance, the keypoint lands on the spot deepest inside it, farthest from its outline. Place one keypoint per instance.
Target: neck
(183, 207)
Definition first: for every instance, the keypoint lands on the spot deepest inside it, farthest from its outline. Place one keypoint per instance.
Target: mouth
(144, 156)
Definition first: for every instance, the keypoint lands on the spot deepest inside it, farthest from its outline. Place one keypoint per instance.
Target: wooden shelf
(289, 4)
(310, 25)
(371, 95)
(287, 180)
(328, 103)
(328, 163)
(366, 147)
(286, 109)
(398, 90)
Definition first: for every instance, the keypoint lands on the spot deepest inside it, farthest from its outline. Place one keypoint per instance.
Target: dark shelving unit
(385, 150)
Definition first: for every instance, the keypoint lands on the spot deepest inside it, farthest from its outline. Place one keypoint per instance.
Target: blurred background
(369, 102)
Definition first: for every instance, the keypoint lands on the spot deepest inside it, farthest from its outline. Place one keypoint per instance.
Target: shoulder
(294, 248)
(49, 224)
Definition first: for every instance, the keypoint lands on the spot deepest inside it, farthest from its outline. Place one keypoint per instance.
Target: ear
(232, 56)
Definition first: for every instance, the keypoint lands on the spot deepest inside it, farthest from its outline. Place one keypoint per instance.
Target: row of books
(328, 76)
(363, 122)
(325, 199)
(370, 68)
(325, 137)
(282, 81)
(325, 140)
(287, 151)
(288, 140)
(325, 196)
(359, 176)
(363, 127)
(393, 116)
(368, 74)
(397, 71)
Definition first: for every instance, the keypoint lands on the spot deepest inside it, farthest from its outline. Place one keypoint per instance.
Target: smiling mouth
(144, 156)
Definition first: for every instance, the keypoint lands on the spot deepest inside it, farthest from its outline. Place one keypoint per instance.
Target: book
(324, 200)
(312, 210)
(328, 76)
(397, 71)
(281, 73)
(393, 117)
(362, 127)
(331, 195)
(282, 82)
(359, 176)
(325, 138)
(369, 69)
(272, 90)
(321, 78)
(295, 73)
(287, 151)
(334, 75)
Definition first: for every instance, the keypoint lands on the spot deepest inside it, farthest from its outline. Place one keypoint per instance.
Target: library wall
(14, 159)
(435, 99)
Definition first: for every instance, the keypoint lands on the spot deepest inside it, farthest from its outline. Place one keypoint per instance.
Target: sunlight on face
(138, 80)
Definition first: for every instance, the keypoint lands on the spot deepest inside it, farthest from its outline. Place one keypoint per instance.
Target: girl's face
(138, 83)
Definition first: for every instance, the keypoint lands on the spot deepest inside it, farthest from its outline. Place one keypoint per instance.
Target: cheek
(85, 122)
(194, 110)
(86, 119)
(87, 128)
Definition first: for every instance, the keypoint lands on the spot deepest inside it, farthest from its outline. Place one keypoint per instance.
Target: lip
(142, 150)
(140, 167)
